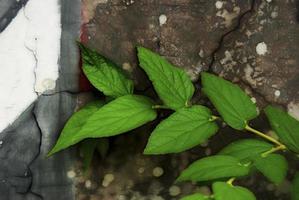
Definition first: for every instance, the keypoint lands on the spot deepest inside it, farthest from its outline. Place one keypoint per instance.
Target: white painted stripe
(29, 54)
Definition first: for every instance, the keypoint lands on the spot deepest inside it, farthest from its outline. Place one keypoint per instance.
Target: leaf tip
(148, 151)
(50, 153)
(54, 150)
(179, 180)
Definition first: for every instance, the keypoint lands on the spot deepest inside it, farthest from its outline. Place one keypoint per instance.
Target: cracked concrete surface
(25, 172)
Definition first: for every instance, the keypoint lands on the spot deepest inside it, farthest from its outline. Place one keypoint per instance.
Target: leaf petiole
(214, 118)
(160, 107)
(271, 139)
(274, 149)
(230, 181)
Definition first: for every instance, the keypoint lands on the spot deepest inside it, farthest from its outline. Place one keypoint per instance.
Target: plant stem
(213, 118)
(274, 149)
(271, 139)
(230, 181)
(160, 107)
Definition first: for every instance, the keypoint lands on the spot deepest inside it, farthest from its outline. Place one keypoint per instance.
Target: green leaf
(214, 167)
(224, 191)
(104, 74)
(295, 187)
(119, 116)
(246, 149)
(196, 196)
(87, 149)
(183, 130)
(75, 124)
(273, 166)
(172, 84)
(285, 126)
(233, 104)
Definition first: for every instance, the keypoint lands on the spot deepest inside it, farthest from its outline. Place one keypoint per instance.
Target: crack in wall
(38, 153)
(59, 92)
(35, 66)
(251, 10)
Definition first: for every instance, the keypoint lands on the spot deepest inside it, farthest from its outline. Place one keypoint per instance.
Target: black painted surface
(8, 10)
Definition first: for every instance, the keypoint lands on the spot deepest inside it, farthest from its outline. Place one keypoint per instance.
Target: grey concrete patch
(25, 172)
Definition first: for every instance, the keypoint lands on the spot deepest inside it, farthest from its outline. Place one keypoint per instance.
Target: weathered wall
(251, 42)
(39, 81)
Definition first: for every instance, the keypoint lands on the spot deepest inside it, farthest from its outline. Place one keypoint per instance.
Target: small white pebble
(269, 1)
(121, 197)
(261, 48)
(201, 53)
(127, 67)
(1, 142)
(88, 184)
(158, 171)
(274, 14)
(293, 109)
(219, 4)
(253, 99)
(71, 174)
(162, 19)
(174, 190)
(108, 178)
(141, 170)
(277, 93)
(48, 84)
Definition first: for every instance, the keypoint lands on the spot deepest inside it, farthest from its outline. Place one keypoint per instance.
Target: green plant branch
(279, 146)
(263, 135)
(274, 149)
(214, 118)
(160, 107)
(230, 181)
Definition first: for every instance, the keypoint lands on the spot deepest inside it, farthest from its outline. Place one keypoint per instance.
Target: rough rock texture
(25, 172)
(274, 75)
(253, 43)
(190, 34)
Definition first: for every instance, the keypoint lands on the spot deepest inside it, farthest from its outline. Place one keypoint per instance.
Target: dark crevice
(251, 10)
(297, 11)
(59, 92)
(236, 27)
(38, 153)
(36, 195)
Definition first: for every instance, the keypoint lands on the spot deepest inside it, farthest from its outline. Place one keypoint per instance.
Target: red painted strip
(84, 84)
